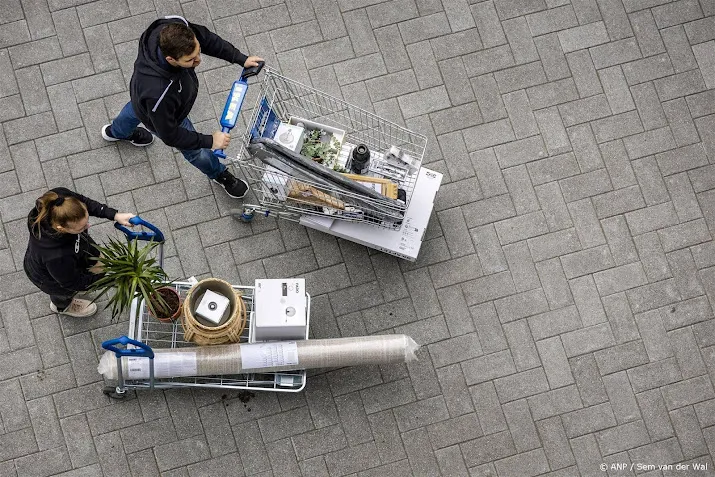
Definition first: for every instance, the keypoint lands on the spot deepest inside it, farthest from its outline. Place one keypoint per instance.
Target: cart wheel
(247, 215)
(112, 392)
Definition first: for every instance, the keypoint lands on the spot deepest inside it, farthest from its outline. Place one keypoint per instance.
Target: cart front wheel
(113, 392)
(247, 215)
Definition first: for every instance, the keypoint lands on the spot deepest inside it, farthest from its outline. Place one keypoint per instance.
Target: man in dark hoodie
(59, 255)
(163, 89)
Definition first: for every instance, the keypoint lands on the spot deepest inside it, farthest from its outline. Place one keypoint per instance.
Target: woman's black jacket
(53, 261)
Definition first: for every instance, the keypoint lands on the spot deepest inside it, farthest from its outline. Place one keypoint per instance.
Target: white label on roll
(268, 355)
(166, 365)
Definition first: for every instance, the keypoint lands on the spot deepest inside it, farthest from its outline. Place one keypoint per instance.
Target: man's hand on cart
(221, 140)
(252, 61)
(123, 218)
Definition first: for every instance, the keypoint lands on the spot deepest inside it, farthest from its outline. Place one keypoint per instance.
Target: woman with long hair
(59, 258)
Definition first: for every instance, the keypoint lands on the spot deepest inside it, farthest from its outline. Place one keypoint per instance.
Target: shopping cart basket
(147, 333)
(290, 186)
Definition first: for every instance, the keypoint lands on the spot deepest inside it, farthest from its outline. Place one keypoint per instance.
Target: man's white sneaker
(78, 308)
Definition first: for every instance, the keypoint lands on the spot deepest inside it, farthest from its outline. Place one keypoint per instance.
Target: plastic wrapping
(267, 357)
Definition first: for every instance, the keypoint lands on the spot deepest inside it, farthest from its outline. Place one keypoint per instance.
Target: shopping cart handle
(235, 101)
(143, 350)
(252, 71)
(155, 233)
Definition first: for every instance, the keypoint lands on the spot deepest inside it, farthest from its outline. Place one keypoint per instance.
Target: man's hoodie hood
(148, 61)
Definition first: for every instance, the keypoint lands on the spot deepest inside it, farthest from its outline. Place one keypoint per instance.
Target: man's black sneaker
(234, 186)
(140, 136)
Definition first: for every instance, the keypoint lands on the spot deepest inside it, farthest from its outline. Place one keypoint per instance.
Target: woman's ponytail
(57, 210)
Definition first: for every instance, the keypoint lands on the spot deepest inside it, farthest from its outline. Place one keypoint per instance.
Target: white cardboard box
(405, 242)
(280, 309)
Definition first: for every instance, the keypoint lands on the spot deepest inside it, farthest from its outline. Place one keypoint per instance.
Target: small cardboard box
(212, 306)
(290, 136)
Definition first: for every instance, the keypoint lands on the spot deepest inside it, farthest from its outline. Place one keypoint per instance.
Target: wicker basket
(228, 330)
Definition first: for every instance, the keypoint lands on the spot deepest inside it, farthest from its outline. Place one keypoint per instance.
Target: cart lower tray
(145, 328)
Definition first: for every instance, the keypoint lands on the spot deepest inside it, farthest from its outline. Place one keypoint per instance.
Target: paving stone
(553, 244)
(554, 282)
(424, 28)
(587, 300)
(551, 20)
(584, 73)
(649, 106)
(45, 423)
(488, 288)
(678, 47)
(646, 33)
(688, 432)
(588, 339)
(621, 357)
(520, 39)
(488, 448)
(423, 102)
(584, 36)
(684, 235)
(521, 345)
(387, 396)
(685, 273)
(183, 452)
(617, 126)
(620, 278)
(653, 375)
(520, 77)
(620, 317)
(588, 420)
(521, 266)
(392, 48)
(521, 385)
(554, 322)
(251, 448)
(556, 445)
(488, 60)
(419, 452)
(687, 352)
(587, 261)
(461, 43)
(678, 85)
(488, 367)
(618, 202)
(616, 89)
(679, 12)
(488, 24)
(520, 228)
(520, 114)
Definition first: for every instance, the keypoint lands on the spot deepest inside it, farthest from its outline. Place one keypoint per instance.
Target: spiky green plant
(132, 273)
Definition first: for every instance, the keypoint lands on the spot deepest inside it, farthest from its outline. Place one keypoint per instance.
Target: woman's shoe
(78, 308)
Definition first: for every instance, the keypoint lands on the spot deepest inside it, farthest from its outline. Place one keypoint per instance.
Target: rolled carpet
(266, 357)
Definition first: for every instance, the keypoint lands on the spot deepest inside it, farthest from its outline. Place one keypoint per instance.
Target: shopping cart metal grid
(285, 100)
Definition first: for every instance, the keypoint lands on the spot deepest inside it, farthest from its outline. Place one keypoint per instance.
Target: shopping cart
(147, 333)
(292, 186)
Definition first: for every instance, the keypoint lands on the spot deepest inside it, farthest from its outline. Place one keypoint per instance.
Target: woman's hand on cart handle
(221, 140)
(123, 218)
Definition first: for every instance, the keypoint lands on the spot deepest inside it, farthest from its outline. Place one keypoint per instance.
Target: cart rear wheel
(111, 391)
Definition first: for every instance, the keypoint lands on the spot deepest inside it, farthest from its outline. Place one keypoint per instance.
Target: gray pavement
(563, 297)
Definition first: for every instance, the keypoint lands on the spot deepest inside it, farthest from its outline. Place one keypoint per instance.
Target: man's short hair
(177, 40)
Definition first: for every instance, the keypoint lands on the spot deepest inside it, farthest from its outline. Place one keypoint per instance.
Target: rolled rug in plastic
(267, 357)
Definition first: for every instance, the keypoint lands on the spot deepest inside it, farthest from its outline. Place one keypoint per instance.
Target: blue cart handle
(235, 101)
(155, 233)
(143, 350)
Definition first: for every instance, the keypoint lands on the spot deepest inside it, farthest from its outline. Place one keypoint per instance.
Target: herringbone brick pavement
(563, 297)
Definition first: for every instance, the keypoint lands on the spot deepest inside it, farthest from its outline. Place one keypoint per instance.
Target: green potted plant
(132, 272)
(323, 151)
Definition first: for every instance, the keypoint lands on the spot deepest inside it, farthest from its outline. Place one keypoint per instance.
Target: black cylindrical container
(360, 159)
